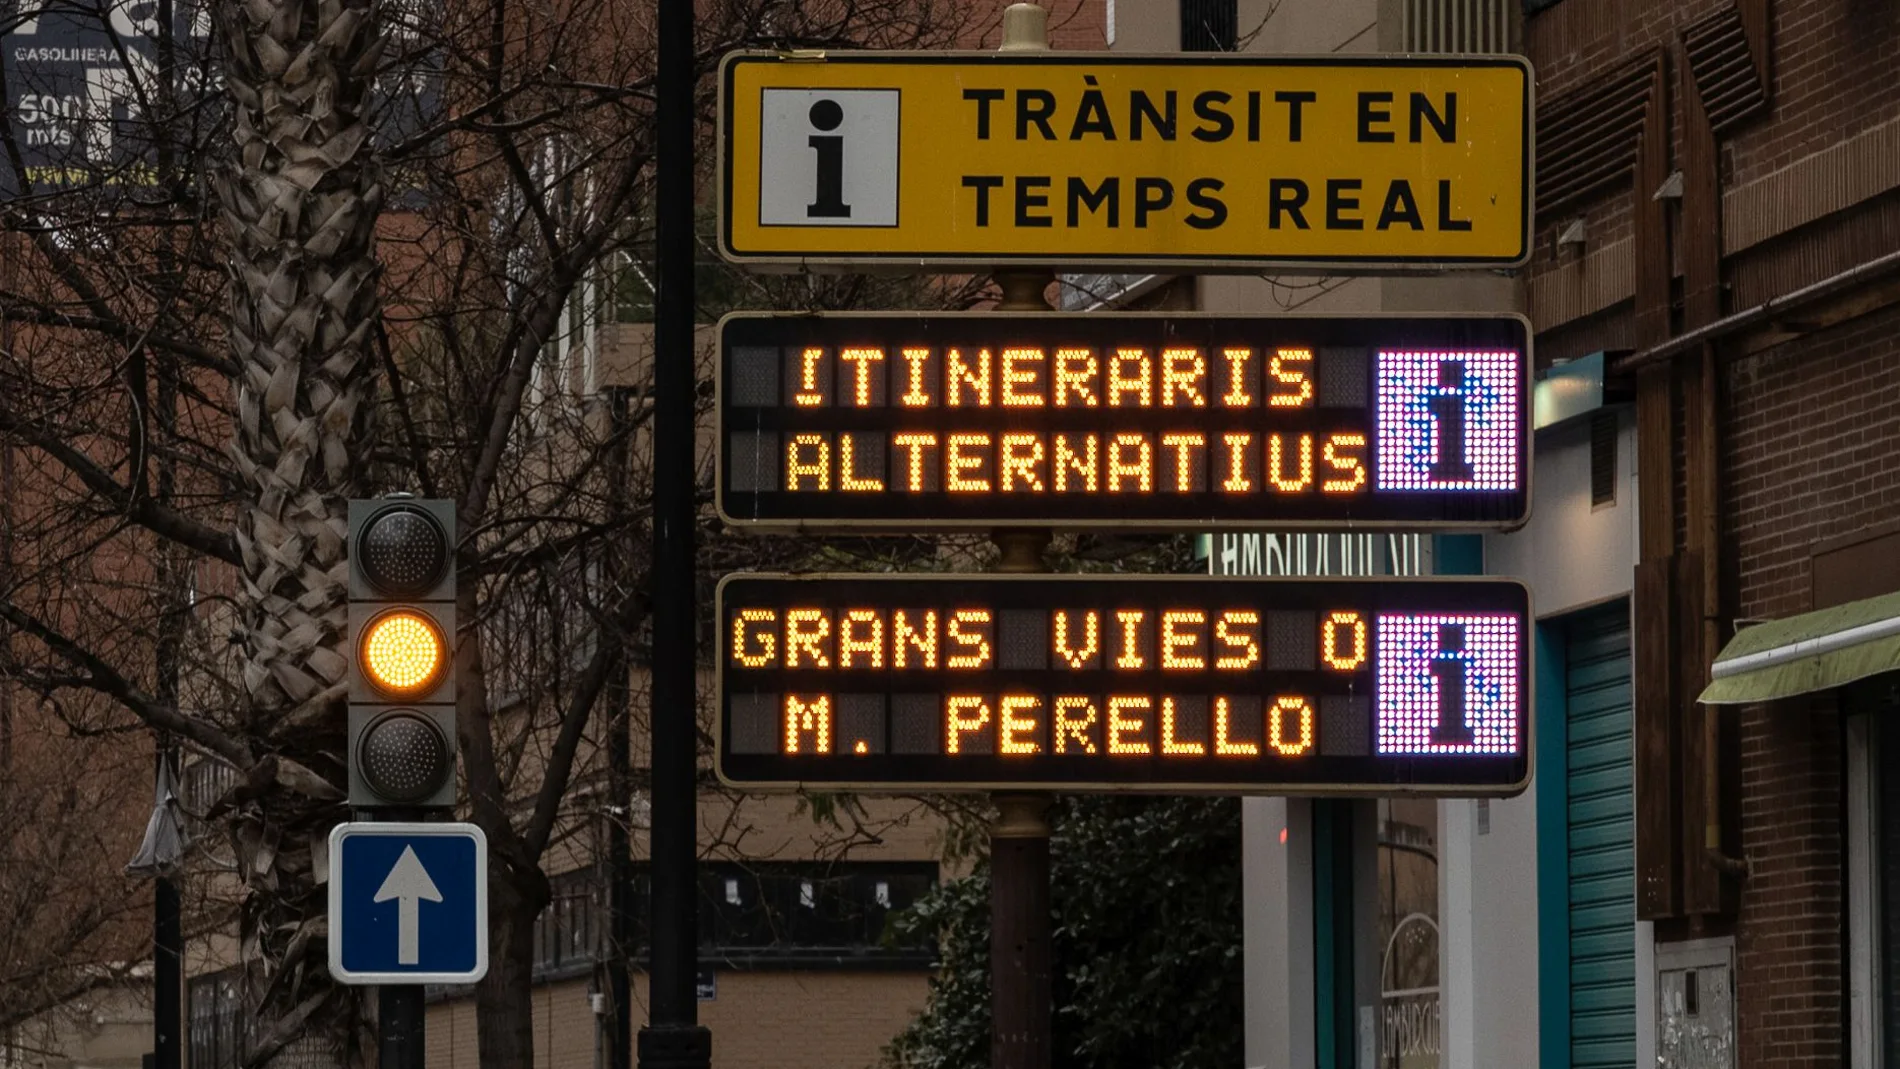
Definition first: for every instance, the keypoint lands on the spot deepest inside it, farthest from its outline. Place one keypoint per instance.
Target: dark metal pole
(673, 1038)
(168, 973)
(1021, 961)
(399, 1017)
(617, 1029)
(1021, 955)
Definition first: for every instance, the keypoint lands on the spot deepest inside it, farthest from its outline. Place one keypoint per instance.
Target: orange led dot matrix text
(1131, 459)
(1020, 461)
(1169, 743)
(808, 456)
(1345, 462)
(1287, 474)
(962, 374)
(1015, 724)
(1022, 377)
(1130, 619)
(1078, 657)
(805, 632)
(1184, 445)
(808, 395)
(1224, 743)
(754, 647)
(861, 632)
(964, 714)
(913, 446)
(1292, 384)
(917, 391)
(849, 478)
(1121, 725)
(1183, 377)
(918, 635)
(1130, 372)
(966, 453)
(1069, 461)
(1181, 629)
(1342, 641)
(863, 361)
(1074, 716)
(808, 716)
(1290, 726)
(1237, 395)
(1076, 372)
(1238, 632)
(969, 637)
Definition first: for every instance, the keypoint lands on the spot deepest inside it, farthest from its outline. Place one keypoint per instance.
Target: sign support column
(1021, 957)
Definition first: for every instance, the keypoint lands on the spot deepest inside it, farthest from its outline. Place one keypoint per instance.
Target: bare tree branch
(103, 678)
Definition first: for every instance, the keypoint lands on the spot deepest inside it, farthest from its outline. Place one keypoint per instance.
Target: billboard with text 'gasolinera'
(1143, 421)
(1181, 684)
(1169, 162)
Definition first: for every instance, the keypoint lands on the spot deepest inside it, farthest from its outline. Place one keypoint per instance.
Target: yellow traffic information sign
(1168, 162)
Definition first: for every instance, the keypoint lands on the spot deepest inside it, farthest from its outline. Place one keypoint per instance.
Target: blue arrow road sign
(408, 903)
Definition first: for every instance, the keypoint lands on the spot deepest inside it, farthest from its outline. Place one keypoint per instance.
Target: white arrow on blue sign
(408, 903)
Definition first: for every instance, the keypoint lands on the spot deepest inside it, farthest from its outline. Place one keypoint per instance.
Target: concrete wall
(1572, 554)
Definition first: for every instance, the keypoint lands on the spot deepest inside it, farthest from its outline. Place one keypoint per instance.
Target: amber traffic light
(402, 644)
(403, 653)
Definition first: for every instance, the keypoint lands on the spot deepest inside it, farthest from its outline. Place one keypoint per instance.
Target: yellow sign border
(1186, 263)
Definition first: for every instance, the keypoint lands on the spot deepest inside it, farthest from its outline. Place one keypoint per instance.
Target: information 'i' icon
(1448, 412)
(828, 203)
(1448, 668)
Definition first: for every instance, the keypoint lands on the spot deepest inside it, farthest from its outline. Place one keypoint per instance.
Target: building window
(220, 1030)
(571, 933)
(1603, 441)
(793, 914)
(805, 913)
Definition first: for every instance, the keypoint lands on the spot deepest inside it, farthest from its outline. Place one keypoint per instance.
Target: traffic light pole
(399, 1017)
(400, 1039)
(673, 1038)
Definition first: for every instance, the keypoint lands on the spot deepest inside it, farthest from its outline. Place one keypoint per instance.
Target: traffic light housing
(402, 652)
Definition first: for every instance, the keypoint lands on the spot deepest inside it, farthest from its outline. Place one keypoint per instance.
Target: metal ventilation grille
(1725, 73)
(1603, 458)
(1457, 25)
(1587, 138)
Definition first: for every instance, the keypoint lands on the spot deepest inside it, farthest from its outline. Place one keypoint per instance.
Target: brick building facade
(1718, 217)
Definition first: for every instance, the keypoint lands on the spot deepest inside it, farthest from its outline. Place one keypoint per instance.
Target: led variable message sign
(1143, 421)
(1177, 684)
(1120, 161)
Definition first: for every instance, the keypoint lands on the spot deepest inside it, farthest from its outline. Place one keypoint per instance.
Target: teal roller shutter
(1600, 802)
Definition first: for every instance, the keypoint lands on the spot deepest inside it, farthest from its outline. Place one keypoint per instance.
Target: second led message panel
(1159, 422)
(1182, 684)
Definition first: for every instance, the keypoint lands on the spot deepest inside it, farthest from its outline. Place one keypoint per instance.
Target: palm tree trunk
(300, 203)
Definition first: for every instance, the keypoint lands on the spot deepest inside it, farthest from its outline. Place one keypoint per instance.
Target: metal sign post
(1021, 421)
